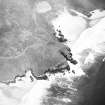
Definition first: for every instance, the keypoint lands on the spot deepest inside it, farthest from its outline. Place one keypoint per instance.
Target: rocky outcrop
(26, 41)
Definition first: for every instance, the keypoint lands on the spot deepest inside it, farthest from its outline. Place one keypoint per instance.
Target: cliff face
(27, 41)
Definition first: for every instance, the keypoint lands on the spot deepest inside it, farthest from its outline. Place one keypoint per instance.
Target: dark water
(80, 91)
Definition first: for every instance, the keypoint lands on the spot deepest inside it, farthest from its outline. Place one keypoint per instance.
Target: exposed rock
(25, 41)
